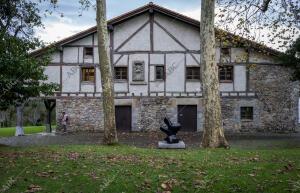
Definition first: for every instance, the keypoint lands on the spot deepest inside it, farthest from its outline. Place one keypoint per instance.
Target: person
(64, 121)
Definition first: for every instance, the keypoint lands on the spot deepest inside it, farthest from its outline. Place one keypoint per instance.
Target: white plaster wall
(218, 55)
(55, 57)
(157, 86)
(98, 80)
(188, 35)
(256, 57)
(240, 78)
(70, 55)
(152, 73)
(87, 87)
(175, 72)
(190, 61)
(70, 79)
(226, 87)
(120, 86)
(122, 62)
(133, 88)
(156, 58)
(138, 89)
(125, 29)
(88, 60)
(53, 73)
(238, 55)
(84, 41)
(193, 86)
(80, 54)
(163, 42)
(141, 41)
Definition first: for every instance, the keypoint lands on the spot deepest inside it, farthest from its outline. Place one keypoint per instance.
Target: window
(247, 113)
(226, 73)
(225, 55)
(159, 72)
(121, 73)
(89, 52)
(88, 74)
(193, 73)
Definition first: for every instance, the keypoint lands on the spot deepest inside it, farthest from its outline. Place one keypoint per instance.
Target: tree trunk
(213, 134)
(49, 109)
(19, 128)
(110, 133)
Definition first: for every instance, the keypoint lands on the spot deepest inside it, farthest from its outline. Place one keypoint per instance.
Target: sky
(57, 27)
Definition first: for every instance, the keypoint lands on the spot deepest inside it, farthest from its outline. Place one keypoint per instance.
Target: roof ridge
(141, 9)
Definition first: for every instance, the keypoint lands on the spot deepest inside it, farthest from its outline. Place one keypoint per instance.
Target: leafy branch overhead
(291, 58)
(22, 76)
(274, 22)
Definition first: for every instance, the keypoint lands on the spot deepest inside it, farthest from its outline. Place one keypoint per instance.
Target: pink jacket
(64, 120)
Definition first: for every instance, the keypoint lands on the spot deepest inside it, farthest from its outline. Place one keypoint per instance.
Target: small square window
(89, 51)
(193, 73)
(121, 73)
(226, 73)
(225, 55)
(159, 72)
(88, 74)
(247, 113)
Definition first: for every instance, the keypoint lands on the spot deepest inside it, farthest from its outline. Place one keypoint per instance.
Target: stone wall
(84, 114)
(231, 114)
(278, 96)
(150, 113)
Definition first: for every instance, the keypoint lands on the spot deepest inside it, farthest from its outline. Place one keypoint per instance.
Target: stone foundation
(84, 114)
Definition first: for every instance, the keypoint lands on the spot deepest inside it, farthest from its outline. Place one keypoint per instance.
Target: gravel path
(149, 140)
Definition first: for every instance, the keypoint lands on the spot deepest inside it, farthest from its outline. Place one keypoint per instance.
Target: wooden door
(123, 118)
(187, 117)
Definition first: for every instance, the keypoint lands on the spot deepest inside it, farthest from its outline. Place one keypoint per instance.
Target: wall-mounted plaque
(138, 71)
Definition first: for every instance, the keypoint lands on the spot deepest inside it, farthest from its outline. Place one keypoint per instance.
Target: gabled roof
(150, 7)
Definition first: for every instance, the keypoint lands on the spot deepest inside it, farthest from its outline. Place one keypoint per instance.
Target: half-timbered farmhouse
(155, 59)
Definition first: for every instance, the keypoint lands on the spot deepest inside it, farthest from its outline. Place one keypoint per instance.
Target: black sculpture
(171, 130)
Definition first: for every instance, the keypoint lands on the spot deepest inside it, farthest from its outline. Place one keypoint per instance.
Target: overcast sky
(57, 27)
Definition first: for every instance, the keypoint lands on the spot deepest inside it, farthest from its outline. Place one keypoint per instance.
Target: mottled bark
(213, 134)
(19, 128)
(110, 133)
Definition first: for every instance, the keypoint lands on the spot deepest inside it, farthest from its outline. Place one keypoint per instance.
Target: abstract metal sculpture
(171, 130)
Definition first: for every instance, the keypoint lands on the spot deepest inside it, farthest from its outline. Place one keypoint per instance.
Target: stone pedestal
(165, 145)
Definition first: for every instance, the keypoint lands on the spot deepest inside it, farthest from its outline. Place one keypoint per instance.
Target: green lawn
(130, 169)
(10, 131)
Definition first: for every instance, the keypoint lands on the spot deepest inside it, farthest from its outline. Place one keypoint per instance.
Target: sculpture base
(165, 145)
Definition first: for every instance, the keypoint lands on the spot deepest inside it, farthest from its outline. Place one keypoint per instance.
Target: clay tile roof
(144, 9)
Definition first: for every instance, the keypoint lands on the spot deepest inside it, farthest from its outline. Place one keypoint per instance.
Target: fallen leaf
(288, 167)
(33, 188)
(162, 176)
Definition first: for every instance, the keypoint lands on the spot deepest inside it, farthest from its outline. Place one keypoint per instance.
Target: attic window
(225, 55)
(89, 52)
